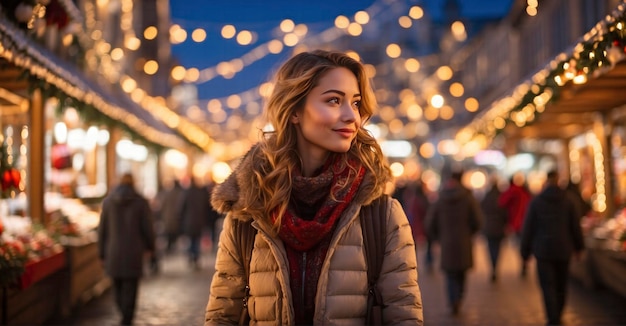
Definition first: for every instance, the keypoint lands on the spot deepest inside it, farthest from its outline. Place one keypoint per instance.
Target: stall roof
(22, 52)
(573, 112)
(552, 105)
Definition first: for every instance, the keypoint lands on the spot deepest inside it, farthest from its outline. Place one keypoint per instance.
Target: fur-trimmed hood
(227, 197)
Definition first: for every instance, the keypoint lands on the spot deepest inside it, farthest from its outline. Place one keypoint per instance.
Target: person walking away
(213, 216)
(453, 220)
(302, 188)
(573, 189)
(170, 213)
(195, 209)
(515, 199)
(552, 234)
(494, 228)
(417, 204)
(125, 235)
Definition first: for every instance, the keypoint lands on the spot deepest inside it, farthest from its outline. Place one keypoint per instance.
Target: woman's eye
(356, 104)
(334, 100)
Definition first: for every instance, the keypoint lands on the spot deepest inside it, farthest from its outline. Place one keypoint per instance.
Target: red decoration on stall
(61, 157)
(56, 15)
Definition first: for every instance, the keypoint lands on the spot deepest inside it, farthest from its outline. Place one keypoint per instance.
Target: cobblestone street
(179, 293)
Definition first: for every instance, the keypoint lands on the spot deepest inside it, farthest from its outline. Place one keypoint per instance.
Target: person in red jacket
(515, 199)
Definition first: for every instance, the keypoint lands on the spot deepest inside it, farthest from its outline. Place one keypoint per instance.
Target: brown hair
(293, 82)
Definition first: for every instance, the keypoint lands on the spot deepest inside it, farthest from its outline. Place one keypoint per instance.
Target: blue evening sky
(263, 17)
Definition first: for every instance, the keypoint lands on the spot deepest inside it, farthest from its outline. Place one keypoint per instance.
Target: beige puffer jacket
(342, 288)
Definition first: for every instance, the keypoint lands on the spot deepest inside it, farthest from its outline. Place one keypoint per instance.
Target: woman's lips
(345, 132)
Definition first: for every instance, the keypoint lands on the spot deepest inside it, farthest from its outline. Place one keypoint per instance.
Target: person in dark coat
(552, 234)
(195, 208)
(494, 227)
(170, 214)
(452, 221)
(125, 235)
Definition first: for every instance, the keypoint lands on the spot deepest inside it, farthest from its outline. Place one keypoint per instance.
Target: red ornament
(6, 179)
(56, 15)
(15, 175)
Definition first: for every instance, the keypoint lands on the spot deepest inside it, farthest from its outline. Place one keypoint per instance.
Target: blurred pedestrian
(415, 204)
(494, 228)
(125, 236)
(453, 219)
(515, 199)
(574, 190)
(170, 212)
(303, 187)
(195, 208)
(552, 234)
(213, 217)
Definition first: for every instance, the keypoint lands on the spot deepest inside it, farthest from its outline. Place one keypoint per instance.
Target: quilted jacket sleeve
(227, 287)
(398, 278)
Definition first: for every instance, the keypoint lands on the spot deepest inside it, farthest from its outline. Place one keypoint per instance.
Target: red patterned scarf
(303, 233)
(307, 229)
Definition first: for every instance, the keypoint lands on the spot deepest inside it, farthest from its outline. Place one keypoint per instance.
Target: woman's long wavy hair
(293, 82)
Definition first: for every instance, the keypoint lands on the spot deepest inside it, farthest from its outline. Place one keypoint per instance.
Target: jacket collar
(228, 199)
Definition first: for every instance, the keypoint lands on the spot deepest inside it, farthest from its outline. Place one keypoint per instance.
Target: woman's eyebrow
(340, 92)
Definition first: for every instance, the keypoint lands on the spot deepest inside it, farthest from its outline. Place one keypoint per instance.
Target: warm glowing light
(471, 104)
(446, 112)
(393, 50)
(301, 30)
(414, 112)
(192, 75)
(266, 89)
(456, 89)
(117, 54)
(458, 30)
(362, 17)
(342, 22)
(287, 26)
(416, 12)
(412, 65)
(444, 73)
(132, 43)
(150, 33)
(233, 101)
(128, 84)
(531, 11)
(178, 73)
(177, 34)
(290, 39)
(220, 171)
(355, 29)
(427, 150)
(431, 113)
(228, 31)
(244, 37)
(151, 67)
(477, 179)
(275, 46)
(397, 169)
(405, 22)
(437, 101)
(198, 35)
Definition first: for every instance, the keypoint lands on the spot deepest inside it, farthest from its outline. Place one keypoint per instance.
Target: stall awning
(20, 51)
(561, 100)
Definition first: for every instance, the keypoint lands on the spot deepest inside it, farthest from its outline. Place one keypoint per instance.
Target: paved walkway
(178, 295)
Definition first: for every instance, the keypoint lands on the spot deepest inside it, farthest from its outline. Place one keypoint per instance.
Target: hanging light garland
(597, 52)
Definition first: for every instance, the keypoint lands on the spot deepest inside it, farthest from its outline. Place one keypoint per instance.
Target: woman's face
(330, 118)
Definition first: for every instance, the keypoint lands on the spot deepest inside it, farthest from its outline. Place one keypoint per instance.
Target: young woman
(303, 185)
